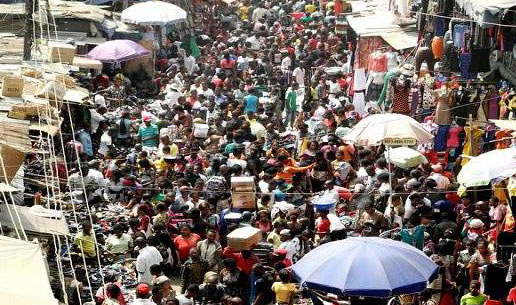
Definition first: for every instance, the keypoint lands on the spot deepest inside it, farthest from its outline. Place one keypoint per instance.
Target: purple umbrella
(117, 51)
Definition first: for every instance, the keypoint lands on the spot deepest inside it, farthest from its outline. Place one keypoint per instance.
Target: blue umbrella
(366, 266)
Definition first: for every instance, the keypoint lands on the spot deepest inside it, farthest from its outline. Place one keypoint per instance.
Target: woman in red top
(227, 64)
(186, 241)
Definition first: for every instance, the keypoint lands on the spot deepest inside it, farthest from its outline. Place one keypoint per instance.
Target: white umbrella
(405, 157)
(495, 164)
(153, 13)
(388, 128)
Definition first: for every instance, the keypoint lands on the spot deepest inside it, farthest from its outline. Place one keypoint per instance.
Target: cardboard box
(13, 159)
(244, 200)
(61, 52)
(242, 184)
(244, 238)
(12, 86)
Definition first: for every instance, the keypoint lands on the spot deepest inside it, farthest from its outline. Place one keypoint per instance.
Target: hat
(285, 232)
(476, 223)
(147, 118)
(162, 279)
(143, 289)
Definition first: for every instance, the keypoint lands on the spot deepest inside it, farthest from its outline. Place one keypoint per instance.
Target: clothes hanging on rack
(480, 60)
(441, 137)
(437, 47)
(464, 63)
(453, 136)
(472, 145)
(444, 103)
(459, 34)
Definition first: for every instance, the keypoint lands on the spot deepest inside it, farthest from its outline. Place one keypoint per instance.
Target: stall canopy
(483, 11)
(25, 280)
(31, 222)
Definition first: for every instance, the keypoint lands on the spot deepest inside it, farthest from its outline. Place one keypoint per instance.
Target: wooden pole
(471, 150)
(28, 33)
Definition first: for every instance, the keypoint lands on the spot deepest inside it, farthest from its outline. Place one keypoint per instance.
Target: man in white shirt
(299, 75)
(413, 202)
(147, 257)
(96, 116)
(191, 293)
(286, 63)
(106, 140)
(442, 181)
(255, 42)
(291, 245)
(190, 64)
(259, 13)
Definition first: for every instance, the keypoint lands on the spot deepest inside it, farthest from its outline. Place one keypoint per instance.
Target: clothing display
(400, 102)
(377, 62)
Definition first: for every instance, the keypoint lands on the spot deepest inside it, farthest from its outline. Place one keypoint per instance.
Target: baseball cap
(147, 118)
(162, 279)
(143, 289)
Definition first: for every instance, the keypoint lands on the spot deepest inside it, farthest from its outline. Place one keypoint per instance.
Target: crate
(243, 200)
(244, 238)
(242, 184)
(61, 52)
(12, 86)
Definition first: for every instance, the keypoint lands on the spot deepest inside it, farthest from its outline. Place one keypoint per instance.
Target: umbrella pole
(390, 172)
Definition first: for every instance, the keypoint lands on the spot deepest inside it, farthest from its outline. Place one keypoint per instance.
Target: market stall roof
(485, 11)
(27, 281)
(401, 40)
(382, 24)
(33, 223)
(374, 24)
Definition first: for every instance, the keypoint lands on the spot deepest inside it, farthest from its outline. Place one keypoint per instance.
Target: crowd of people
(254, 97)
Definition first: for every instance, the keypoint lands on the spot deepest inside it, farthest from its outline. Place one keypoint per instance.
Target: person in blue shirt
(250, 102)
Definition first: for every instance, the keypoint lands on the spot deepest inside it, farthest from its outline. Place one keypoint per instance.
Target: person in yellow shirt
(310, 8)
(84, 240)
(284, 290)
(243, 11)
